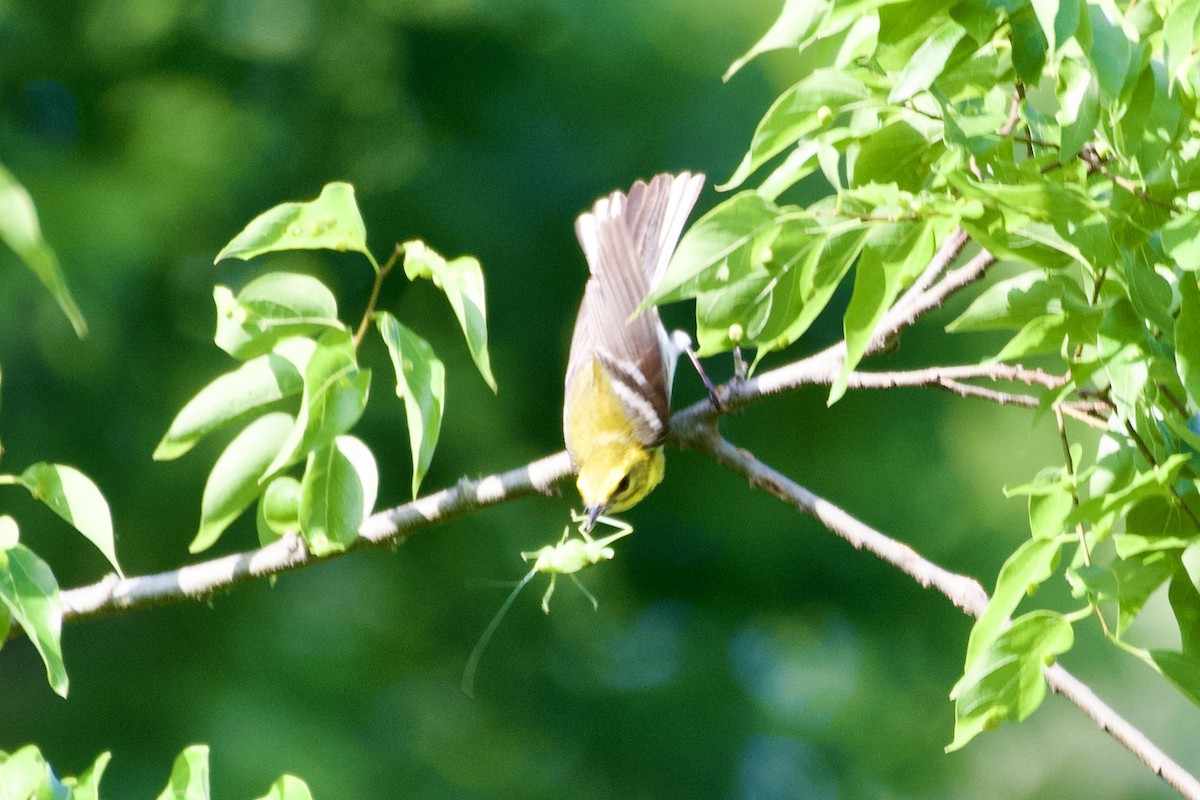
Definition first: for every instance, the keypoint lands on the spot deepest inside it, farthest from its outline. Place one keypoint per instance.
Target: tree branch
(1093, 413)
(115, 595)
(963, 591)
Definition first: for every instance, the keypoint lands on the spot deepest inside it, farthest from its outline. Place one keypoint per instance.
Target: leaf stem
(380, 274)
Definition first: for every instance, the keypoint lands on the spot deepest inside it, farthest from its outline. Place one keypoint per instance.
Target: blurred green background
(740, 651)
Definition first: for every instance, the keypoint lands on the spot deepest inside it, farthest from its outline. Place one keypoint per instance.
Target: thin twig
(929, 376)
(1089, 156)
(941, 261)
(370, 309)
(961, 590)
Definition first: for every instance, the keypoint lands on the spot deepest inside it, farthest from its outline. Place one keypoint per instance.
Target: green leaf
(335, 395)
(1102, 511)
(272, 307)
(1041, 200)
(1181, 240)
(421, 384)
(20, 230)
(1181, 30)
(898, 155)
(1138, 577)
(1181, 670)
(799, 113)
(189, 775)
(1028, 45)
(331, 222)
(1185, 602)
(1029, 566)
(24, 775)
(1078, 106)
(799, 20)
(1187, 335)
(29, 590)
(234, 481)
(894, 255)
(1149, 292)
(462, 282)
(974, 125)
(9, 533)
(338, 492)
(1058, 18)
(1005, 681)
(278, 509)
(288, 787)
(258, 383)
(1015, 302)
(87, 785)
(806, 269)
(927, 62)
(69, 493)
(1111, 52)
(722, 247)
(1050, 502)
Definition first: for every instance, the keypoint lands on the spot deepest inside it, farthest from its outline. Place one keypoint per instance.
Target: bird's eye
(623, 486)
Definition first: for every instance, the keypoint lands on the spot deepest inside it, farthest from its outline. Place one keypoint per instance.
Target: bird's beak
(593, 512)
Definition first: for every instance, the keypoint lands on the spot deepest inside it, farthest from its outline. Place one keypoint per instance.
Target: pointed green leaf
(421, 384)
(1051, 500)
(1185, 602)
(1078, 107)
(462, 282)
(24, 774)
(338, 492)
(1058, 18)
(331, 222)
(234, 481)
(1181, 670)
(1187, 335)
(272, 307)
(799, 20)
(719, 249)
(1181, 31)
(29, 590)
(898, 156)
(87, 785)
(259, 382)
(894, 255)
(927, 62)
(189, 775)
(1005, 681)
(1012, 303)
(9, 534)
(288, 787)
(335, 395)
(1028, 45)
(69, 493)
(20, 230)
(1029, 566)
(1181, 240)
(1110, 51)
(799, 113)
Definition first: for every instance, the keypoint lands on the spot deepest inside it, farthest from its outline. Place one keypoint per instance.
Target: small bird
(618, 389)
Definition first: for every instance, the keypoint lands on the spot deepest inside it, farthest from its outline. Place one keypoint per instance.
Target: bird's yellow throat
(616, 469)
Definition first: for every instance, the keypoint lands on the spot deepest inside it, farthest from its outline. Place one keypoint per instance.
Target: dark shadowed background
(739, 651)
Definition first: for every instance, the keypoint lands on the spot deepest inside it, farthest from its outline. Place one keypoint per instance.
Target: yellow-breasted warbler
(618, 388)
